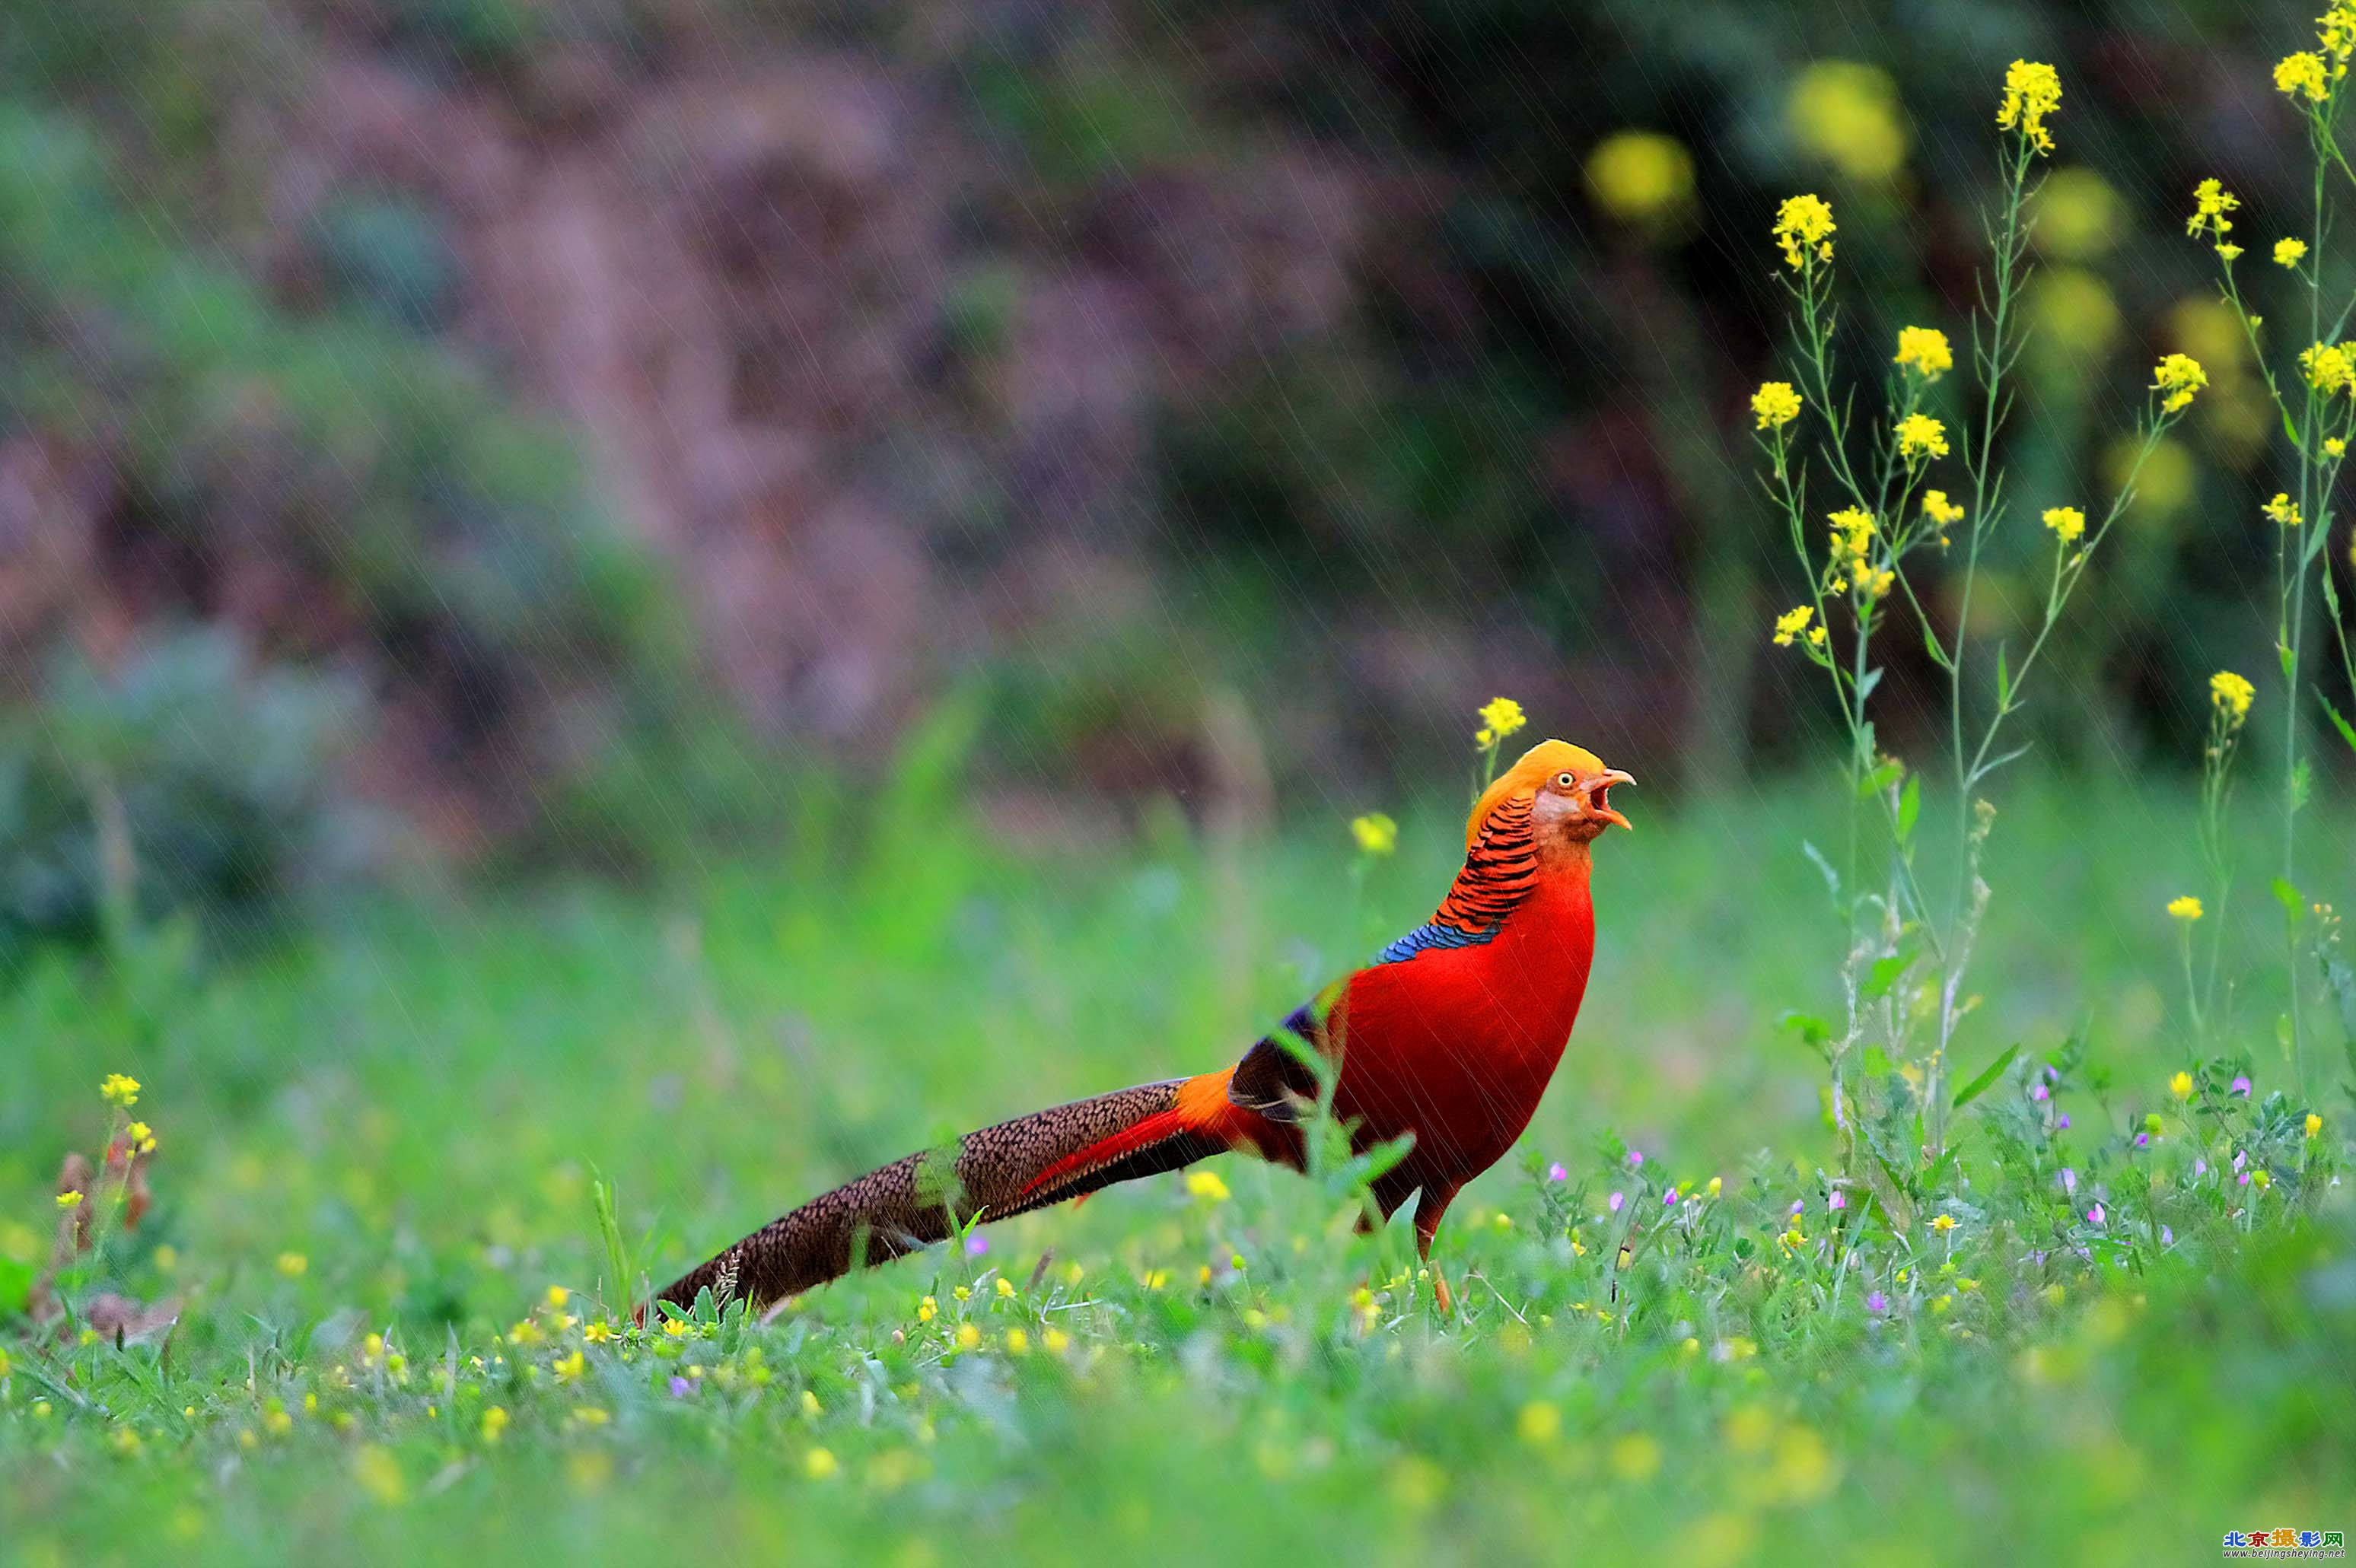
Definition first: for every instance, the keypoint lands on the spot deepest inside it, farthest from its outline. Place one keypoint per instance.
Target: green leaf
(2346, 731)
(1910, 806)
(2288, 897)
(1832, 877)
(2003, 679)
(1877, 1062)
(1880, 779)
(1884, 975)
(1811, 1031)
(1989, 1074)
(2302, 783)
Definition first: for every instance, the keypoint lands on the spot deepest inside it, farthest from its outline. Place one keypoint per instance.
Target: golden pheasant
(1450, 1035)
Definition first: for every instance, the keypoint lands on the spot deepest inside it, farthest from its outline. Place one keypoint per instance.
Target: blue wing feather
(1432, 935)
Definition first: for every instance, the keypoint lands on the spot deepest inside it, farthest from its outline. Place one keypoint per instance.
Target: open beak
(1598, 790)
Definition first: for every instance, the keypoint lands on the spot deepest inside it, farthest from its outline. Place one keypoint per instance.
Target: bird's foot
(1440, 1294)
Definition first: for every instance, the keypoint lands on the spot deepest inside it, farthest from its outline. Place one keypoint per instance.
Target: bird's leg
(1437, 1197)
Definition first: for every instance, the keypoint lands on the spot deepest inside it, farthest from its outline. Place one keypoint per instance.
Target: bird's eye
(1565, 779)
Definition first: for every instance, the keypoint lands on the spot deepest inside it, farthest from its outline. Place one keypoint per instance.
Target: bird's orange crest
(1537, 764)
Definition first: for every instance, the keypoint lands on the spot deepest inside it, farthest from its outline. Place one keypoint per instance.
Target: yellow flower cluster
(1793, 623)
(1924, 350)
(1775, 404)
(2185, 908)
(2067, 523)
(2177, 377)
(2231, 695)
(2330, 367)
(1853, 531)
(2304, 75)
(2282, 509)
(2211, 202)
(1804, 225)
(2289, 252)
(1500, 717)
(1375, 833)
(1920, 436)
(2032, 92)
(120, 1089)
(1940, 510)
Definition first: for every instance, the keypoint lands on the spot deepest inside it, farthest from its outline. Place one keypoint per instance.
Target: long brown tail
(1014, 1166)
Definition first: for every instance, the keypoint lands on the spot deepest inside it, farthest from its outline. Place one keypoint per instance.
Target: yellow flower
(1920, 435)
(1925, 350)
(2282, 509)
(1792, 623)
(2211, 202)
(597, 1333)
(2328, 366)
(2335, 28)
(570, 1368)
(2067, 522)
(967, 1336)
(1775, 404)
(2181, 1085)
(68, 1200)
(2314, 1124)
(1848, 114)
(1716, 1186)
(1018, 1343)
(2262, 1179)
(495, 1423)
(1500, 717)
(2231, 694)
(1207, 1184)
(2179, 376)
(1375, 833)
(1005, 1285)
(926, 1308)
(2032, 92)
(292, 1264)
(2303, 73)
(120, 1089)
(1943, 1222)
(1853, 532)
(1804, 224)
(1940, 510)
(2288, 251)
(142, 1137)
(1640, 176)
(2186, 908)
(1056, 1341)
(2334, 447)
(678, 1328)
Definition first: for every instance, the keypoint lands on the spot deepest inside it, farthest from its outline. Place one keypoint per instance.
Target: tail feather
(1048, 1156)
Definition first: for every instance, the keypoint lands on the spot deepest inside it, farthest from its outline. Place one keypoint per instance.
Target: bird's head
(1569, 790)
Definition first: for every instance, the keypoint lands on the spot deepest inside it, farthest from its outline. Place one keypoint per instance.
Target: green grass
(416, 1100)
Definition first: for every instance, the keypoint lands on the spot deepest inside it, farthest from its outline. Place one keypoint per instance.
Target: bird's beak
(1598, 801)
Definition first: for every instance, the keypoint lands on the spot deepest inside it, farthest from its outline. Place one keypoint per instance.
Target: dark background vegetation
(509, 434)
